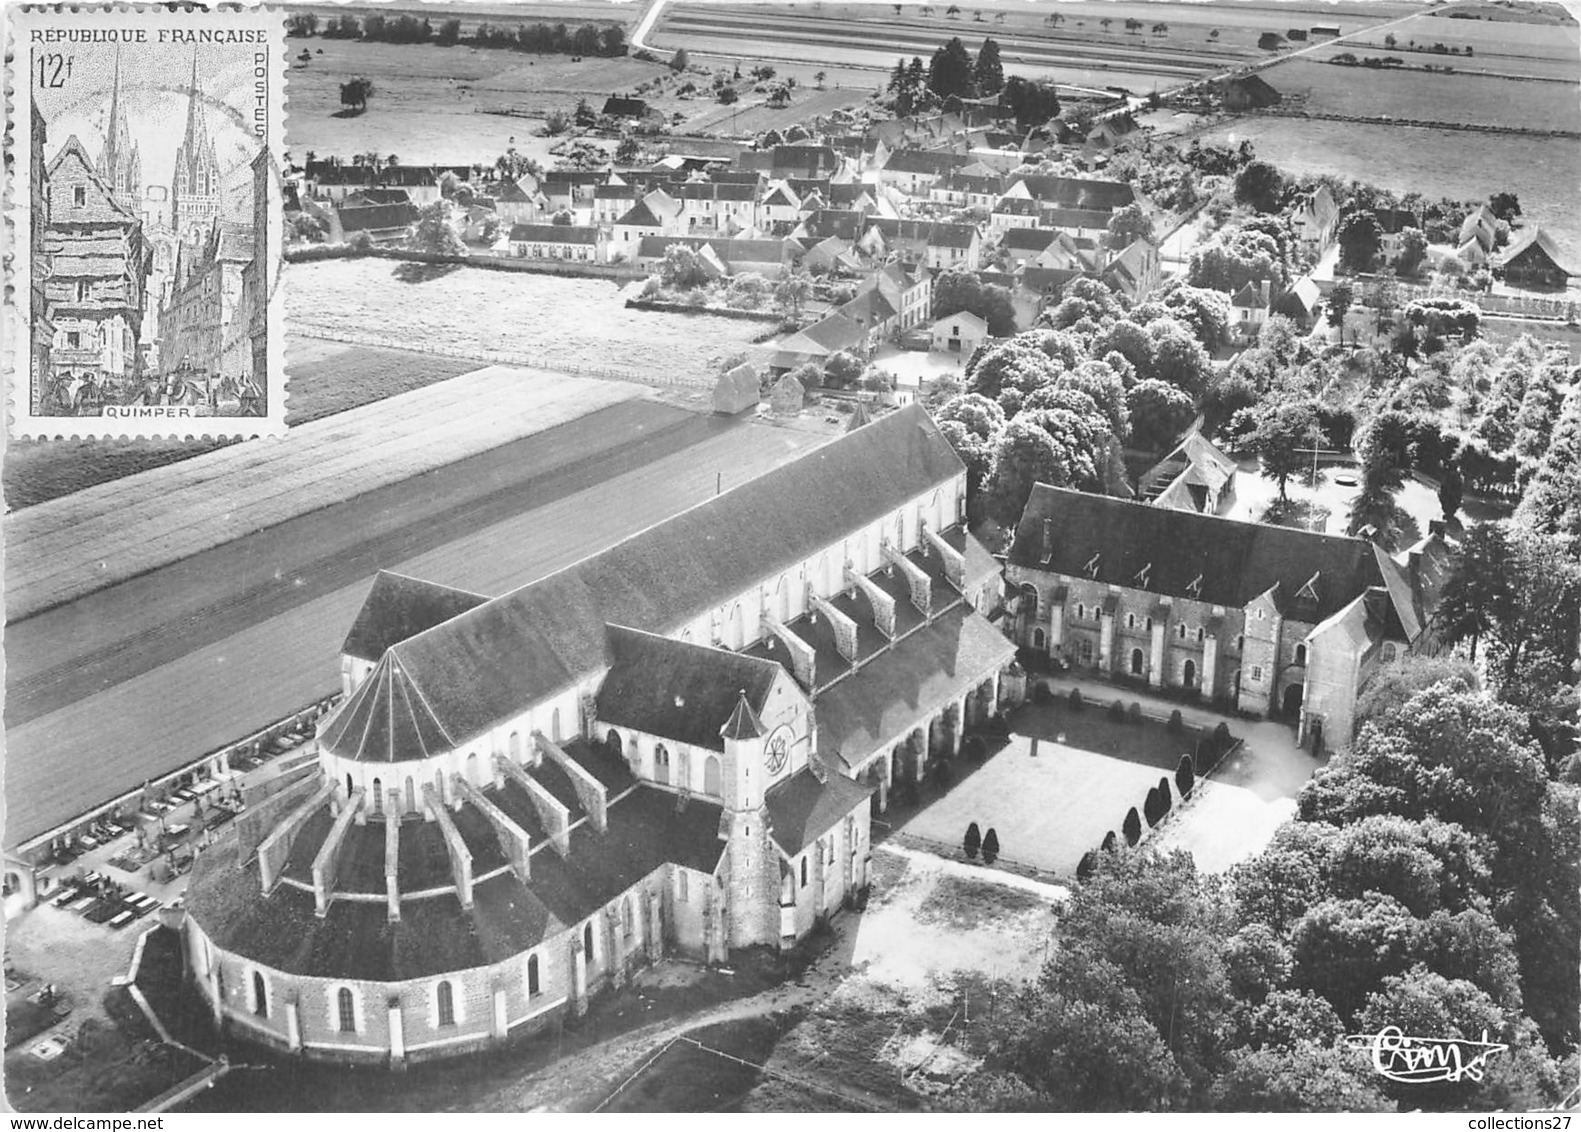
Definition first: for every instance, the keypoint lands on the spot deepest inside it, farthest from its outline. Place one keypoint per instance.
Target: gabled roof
(554, 233)
(1247, 296)
(369, 196)
(492, 662)
(1131, 264)
(923, 161)
(1536, 245)
(511, 192)
(1029, 239)
(377, 217)
(103, 208)
(1236, 561)
(1079, 192)
(625, 107)
(966, 317)
(802, 809)
(398, 607)
(639, 215)
(1075, 218)
(679, 690)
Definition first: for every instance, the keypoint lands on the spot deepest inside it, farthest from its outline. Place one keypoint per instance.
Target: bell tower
(752, 885)
(195, 191)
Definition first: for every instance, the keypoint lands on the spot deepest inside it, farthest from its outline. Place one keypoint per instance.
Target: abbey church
(672, 747)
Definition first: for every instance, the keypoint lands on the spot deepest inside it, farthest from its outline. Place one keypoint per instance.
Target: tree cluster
(540, 38)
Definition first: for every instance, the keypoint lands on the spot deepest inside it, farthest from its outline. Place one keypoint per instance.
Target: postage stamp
(144, 210)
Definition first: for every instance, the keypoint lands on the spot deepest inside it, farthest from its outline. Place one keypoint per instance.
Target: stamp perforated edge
(21, 423)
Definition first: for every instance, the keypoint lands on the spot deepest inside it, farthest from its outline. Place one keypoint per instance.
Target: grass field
(1090, 45)
(442, 105)
(555, 321)
(325, 378)
(1543, 172)
(1047, 810)
(1423, 96)
(752, 116)
(1500, 47)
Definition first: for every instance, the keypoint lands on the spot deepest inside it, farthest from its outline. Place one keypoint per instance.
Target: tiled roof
(554, 234)
(377, 217)
(398, 607)
(1112, 540)
(1080, 192)
(495, 660)
(1075, 218)
(802, 809)
(639, 216)
(1535, 244)
(904, 685)
(678, 690)
(923, 161)
(1029, 239)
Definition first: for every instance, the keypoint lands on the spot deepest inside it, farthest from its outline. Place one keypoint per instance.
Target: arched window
(348, 786)
(711, 776)
(1240, 643)
(1130, 621)
(260, 995)
(378, 798)
(515, 747)
(661, 764)
(804, 872)
(1180, 631)
(1199, 636)
(1136, 662)
(1301, 654)
(1038, 639)
(1081, 612)
(627, 922)
(587, 940)
(1388, 654)
(445, 998)
(346, 1010)
(554, 725)
(683, 769)
(1149, 624)
(532, 975)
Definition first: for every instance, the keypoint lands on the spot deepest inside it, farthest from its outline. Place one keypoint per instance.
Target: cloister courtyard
(1066, 777)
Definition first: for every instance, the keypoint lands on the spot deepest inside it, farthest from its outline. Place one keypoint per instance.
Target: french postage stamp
(145, 217)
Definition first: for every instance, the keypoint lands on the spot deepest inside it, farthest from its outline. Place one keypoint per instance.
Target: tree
(1206, 312)
(434, 233)
(627, 151)
(1032, 102)
(1127, 225)
(354, 93)
(793, 291)
(1307, 1077)
(1132, 827)
(1360, 239)
(1282, 430)
(682, 268)
(727, 95)
(972, 424)
(950, 72)
(1413, 252)
(1259, 185)
(973, 842)
(1026, 455)
(1179, 358)
(1152, 807)
(680, 60)
(842, 368)
(1339, 301)
(1390, 687)
(990, 847)
(988, 73)
(1451, 491)
(1505, 205)
(820, 77)
(1185, 777)
(1159, 412)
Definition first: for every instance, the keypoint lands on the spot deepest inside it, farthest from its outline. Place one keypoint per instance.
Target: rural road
(152, 674)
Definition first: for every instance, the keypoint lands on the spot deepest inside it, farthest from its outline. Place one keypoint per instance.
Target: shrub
(1042, 694)
(973, 747)
(361, 242)
(1110, 842)
(1117, 712)
(990, 847)
(973, 842)
(1221, 736)
(1176, 724)
(1185, 776)
(1089, 863)
(1152, 809)
(1075, 699)
(1134, 712)
(1132, 828)
(1165, 802)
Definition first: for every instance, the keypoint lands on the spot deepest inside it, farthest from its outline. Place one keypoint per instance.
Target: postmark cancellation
(144, 205)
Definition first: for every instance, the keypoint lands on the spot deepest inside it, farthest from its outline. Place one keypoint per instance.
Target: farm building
(829, 335)
(618, 106)
(558, 241)
(384, 223)
(787, 396)
(1248, 92)
(1253, 617)
(1480, 228)
(960, 333)
(1532, 262)
(524, 799)
(737, 390)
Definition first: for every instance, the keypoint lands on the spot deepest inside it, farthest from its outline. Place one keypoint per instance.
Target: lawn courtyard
(1050, 807)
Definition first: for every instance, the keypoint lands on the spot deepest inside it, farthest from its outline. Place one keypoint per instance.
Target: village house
(1315, 220)
(1082, 223)
(1247, 616)
(1015, 212)
(520, 201)
(559, 241)
(872, 312)
(967, 190)
(815, 343)
(1079, 193)
(1135, 272)
(621, 106)
(420, 182)
(635, 225)
(909, 289)
(723, 208)
(383, 223)
(1393, 222)
(915, 171)
(573, 189)
(1480, 228)
(780, 207)
(936, 244)
(1249, 310)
